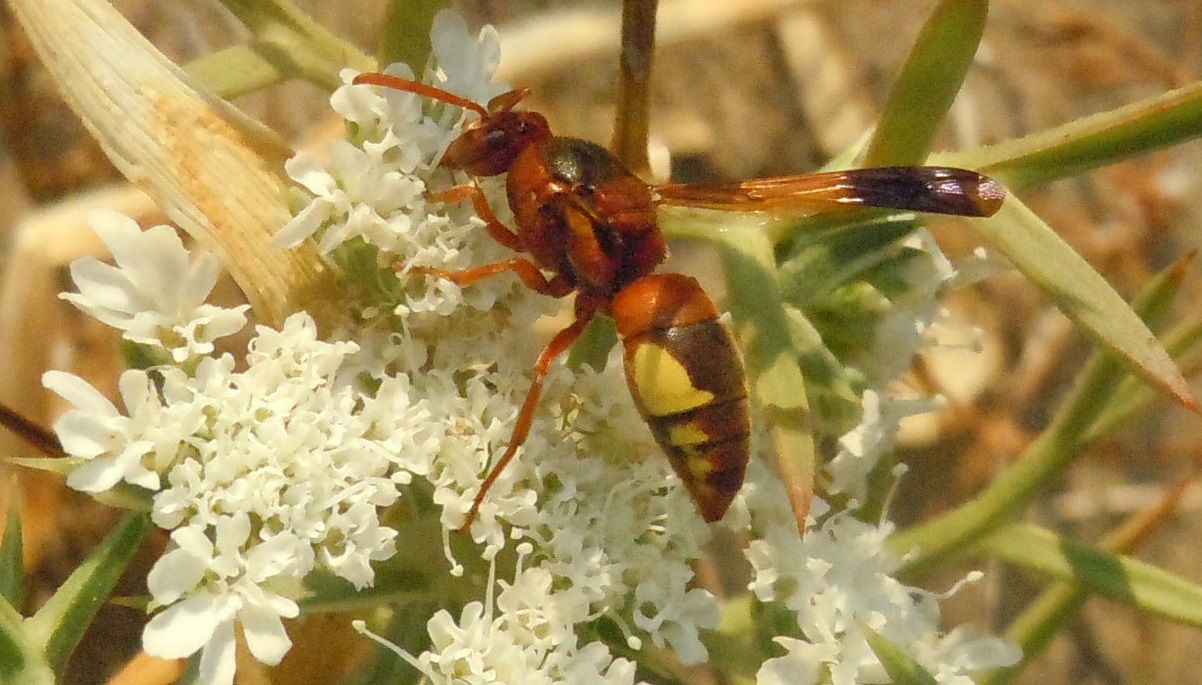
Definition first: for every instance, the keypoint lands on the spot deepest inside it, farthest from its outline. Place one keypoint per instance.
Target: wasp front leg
(497, 230)
(556, 286)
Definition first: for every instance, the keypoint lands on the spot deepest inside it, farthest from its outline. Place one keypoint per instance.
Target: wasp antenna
(373, 78)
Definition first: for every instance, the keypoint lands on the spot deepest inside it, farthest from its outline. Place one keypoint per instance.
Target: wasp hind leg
(521, 429)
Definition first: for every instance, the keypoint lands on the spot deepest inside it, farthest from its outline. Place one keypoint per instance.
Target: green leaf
(593, 347)
(819, 266)
(762, 327)
(928, 83)
(235, 71)
(1082, 294)
(62, 467)
(1184, 344)
(1091, 142)
(61, 622)
(901, 667)
(12, 573)
(1114, 576)
(21, 663)
(1039, 622)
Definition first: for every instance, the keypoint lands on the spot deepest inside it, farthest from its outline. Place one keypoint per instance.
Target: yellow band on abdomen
(663, 383)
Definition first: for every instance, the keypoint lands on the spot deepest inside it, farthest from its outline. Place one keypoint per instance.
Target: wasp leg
(557, 286)
(521, 429)
(496, 229)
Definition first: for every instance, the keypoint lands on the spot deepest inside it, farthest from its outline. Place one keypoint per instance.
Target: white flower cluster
(156, 299)
(281, 463)
(836, 576)
(902, 333)
(531, 640)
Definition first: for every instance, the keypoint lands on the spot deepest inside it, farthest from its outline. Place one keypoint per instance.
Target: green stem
(295, 43)
(235, 71)
(405, 35)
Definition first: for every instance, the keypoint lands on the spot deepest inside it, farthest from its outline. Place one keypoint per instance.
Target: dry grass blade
(213, 169)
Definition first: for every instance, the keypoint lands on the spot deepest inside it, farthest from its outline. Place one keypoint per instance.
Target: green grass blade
(1039, 622)
(927, 84)
(762, 327)
(61, 622)
(12, 573)
(901, 667)
(1114, 576)
(1184, 343)
(1074, 424)
(1082, 294)
(1091, 142)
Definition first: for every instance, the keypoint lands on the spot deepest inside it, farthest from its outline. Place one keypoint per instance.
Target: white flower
(280, 463)
(288, 445)
(862, 448)
(118, 447)
(220, 585)
(802, 665)
(283, 445)
(466, 63)
(902, 331)
(672, 613)
(839, 574)
(356, 197)
(532, 640)
(153, 295)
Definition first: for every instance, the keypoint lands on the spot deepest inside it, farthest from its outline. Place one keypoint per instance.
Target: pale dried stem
(215, 171)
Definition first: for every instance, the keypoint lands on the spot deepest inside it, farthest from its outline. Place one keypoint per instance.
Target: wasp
(585, 224)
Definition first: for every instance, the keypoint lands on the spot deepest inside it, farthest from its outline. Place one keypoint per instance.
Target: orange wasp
(586, 224)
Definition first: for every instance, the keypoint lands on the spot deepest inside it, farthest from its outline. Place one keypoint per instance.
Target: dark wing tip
(930, 189)
(990, 195)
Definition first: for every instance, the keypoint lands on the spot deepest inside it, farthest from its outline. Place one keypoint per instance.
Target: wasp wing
(932, 189)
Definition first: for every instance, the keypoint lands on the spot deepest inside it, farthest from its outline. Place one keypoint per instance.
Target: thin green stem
(295, 43)
(405, 35)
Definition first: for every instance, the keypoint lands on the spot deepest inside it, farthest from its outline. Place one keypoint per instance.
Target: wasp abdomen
(687, 379)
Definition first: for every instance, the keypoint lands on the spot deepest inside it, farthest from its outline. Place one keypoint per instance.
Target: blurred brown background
(757, 89)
